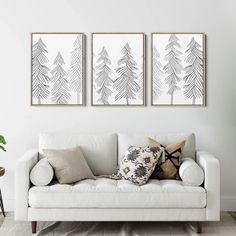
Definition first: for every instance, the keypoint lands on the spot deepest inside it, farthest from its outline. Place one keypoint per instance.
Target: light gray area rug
(226, 227)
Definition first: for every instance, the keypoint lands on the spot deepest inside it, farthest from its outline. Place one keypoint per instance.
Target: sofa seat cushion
(109, 193)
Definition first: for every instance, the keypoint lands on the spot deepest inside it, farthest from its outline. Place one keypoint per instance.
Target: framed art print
(57, 69)
(117, 69)
(178, 69)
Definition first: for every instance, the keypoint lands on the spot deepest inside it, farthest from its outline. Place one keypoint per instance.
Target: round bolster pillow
(191, 173)
(42, 173)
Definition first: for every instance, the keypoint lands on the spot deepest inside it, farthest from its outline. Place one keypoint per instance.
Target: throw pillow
(138, 164)
(170, 161)
(42, 173)
(69, 164)
(191, 173)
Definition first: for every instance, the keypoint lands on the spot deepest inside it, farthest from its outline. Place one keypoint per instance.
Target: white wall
(214, 125)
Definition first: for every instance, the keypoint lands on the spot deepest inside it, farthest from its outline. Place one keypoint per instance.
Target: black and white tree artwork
(57, 80)
(75, 72)
(94, 72)
(181, 80)
(157, 73)
(40, 78)
(125, 83)
(117, 77)
(193, 88)
(140, 83)
(103, 80)
(173, 68)
(60, 89)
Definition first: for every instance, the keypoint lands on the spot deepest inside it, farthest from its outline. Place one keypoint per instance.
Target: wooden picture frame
(57, 69)
(108, 53)
(172, 69)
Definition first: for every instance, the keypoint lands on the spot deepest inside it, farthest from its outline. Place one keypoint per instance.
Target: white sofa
(111, 200)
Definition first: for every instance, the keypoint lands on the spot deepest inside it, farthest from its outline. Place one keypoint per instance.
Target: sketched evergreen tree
(194, 71)
(40, 80)
(94, 73)
(126, 84)
(140, 83)
(75, 70)
(157, 73)
(60, 90)
(173, 67)
(103, 79)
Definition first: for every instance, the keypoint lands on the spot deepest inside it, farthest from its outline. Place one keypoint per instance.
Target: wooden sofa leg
(34, 226)
(199, 227)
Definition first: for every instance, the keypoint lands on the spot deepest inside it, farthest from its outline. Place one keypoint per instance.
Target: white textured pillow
(191, 173)
(42, 173)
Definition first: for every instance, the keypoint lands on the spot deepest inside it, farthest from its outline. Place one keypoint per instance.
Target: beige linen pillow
(69, 164)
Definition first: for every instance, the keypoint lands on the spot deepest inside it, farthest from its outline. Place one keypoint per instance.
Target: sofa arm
(22, 183)
(211, 169)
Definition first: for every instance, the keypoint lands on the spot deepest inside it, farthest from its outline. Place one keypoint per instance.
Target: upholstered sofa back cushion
(125, 140)
(100, 151)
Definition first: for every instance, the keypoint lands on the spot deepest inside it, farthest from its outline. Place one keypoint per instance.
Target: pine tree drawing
(157, 73)
(94, 72)
(126, 84)
(173, 67)
(60, 90)
(193, 79)
(75, 71)
(103, 79)
(140, 83)
(40, 78)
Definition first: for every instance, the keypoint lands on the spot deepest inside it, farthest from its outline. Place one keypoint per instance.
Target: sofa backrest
(100, 151)
(103, 152)
(125, 140)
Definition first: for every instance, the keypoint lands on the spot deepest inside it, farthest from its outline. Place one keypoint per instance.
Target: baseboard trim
(228, 203)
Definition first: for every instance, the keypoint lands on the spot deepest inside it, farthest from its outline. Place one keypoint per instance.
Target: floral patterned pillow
(138, 164)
